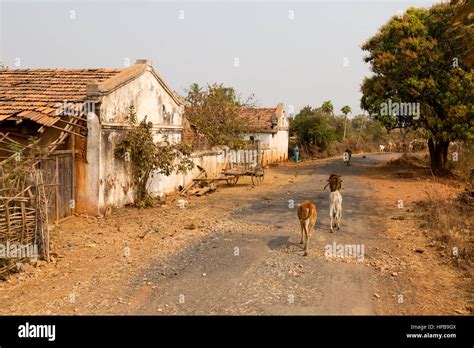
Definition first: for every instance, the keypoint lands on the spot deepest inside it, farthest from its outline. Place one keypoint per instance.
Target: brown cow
(307, 214)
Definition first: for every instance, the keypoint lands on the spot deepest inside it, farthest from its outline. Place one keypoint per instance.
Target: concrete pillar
(88, 176)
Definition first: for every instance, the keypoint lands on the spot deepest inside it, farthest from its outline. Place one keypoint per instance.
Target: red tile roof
(260, 119)
(35, 94)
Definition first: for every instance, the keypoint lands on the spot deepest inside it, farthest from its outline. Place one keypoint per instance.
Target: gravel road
(252, 263)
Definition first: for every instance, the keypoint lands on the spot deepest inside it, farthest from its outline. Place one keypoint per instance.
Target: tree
(215, 112)
(464, 9)
(313, 130)
(327, 108)
(345, 110)
(419, 59)
(149, 157)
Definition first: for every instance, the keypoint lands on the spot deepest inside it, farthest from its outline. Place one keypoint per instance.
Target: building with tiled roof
(80, 115)
(270, 126)
(262, 120)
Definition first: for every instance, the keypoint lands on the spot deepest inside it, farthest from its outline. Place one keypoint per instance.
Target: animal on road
(334, 182)
(307, 214)
(347, 156)
(335, 200)
(335, 209)
(391, 146)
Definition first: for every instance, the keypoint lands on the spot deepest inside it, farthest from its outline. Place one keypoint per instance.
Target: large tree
(420, 58)
(312, 128)
(215, 111)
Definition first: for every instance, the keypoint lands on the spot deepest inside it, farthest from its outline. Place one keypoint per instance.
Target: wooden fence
(23, 220)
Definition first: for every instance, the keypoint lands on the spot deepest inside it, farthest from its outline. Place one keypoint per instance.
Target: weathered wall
(213, 161)
(106, 180)
(149, 98)
(274, 144)
(115, 190)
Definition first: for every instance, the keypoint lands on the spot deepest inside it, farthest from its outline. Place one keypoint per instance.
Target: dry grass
(449, 219)
(407, 162)
(451, 223)
(464, 166)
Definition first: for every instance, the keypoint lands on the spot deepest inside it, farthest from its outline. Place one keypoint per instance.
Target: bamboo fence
(23, 221)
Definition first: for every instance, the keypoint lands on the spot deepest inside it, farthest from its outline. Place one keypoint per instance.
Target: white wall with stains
(108, 180)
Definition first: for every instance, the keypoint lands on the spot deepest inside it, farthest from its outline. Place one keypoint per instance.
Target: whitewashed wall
(107, 179)
(274, 144)
(213, 161)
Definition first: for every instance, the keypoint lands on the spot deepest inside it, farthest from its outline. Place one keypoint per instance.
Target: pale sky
(281, 51)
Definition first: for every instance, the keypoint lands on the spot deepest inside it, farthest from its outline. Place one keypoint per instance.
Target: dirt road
(236, 252)
(259, 268)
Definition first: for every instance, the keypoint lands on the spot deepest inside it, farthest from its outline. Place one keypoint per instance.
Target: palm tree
(327, 108)
(345, 110)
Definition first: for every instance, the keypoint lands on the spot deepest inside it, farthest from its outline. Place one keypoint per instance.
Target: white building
(270, 126)
(80, 114)
(83, 112)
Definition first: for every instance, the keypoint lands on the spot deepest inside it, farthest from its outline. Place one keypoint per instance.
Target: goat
(335, 209)
(307, 214)
(382, 148)
(335, 200)
(347, 156)
(334, 182)
(391, 146)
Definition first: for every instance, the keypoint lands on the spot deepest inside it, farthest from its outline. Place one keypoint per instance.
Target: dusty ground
(236, 251)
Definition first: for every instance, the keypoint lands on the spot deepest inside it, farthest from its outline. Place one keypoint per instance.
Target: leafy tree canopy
(312, 129)
(215, 111)
(419, 59)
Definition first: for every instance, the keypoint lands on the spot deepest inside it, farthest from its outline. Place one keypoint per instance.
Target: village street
(267, 274)
(236, 251)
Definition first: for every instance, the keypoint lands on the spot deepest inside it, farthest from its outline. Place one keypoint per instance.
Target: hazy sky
(285, 51)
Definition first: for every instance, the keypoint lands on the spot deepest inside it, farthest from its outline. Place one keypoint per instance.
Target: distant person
(296, 153)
